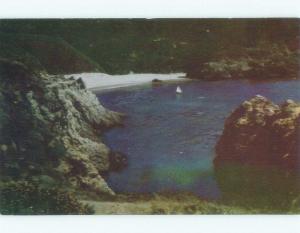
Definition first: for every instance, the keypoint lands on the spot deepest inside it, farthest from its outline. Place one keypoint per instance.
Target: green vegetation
(41, 52)
(268, 189)
(173, 203)
(159, 45)
(29, 198)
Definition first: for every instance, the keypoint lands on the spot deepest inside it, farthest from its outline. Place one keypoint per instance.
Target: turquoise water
(170, 139)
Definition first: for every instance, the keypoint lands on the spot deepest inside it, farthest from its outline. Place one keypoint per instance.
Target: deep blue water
(170, 139)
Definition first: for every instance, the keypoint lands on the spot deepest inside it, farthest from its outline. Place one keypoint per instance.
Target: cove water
(169, 138)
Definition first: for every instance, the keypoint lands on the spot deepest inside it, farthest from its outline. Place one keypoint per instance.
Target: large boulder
(261, 132)
(257, 156)
(51, 126)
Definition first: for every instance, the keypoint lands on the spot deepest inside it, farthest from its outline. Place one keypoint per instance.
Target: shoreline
(100, 81)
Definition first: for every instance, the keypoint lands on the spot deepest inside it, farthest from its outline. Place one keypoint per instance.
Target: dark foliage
(25, 198)
(48, 53)
(158, 45)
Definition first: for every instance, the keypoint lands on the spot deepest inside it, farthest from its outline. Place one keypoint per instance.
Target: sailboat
(178, 90)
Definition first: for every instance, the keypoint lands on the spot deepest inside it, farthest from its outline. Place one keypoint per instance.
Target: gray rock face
(261, 132)
(52, 126)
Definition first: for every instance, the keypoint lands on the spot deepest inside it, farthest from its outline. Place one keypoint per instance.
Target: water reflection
(258, 187)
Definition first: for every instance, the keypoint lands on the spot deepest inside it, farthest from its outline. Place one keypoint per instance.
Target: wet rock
(261, 132)
(118, 161)
(156, 80)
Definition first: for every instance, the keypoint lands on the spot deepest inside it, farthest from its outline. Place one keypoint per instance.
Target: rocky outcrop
(263, 62)
(261, 132)
(51, 126)
(257, 162)
(118, 161)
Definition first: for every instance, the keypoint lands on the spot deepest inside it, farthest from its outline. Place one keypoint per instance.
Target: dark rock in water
(261, 132)
(117, 161)
(50, 125)
(157, 81)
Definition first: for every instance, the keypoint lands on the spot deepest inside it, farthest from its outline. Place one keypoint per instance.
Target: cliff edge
(50, 130)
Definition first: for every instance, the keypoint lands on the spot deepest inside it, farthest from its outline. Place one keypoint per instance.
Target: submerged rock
(118, 161)
(156, 80)
(55, 124)
(261, 132)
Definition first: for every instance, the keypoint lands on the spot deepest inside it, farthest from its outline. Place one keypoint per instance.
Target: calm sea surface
(170, 139)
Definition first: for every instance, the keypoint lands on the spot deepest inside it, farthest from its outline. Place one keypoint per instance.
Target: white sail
(178, 90)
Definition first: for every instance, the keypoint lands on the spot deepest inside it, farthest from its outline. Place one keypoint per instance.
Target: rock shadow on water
(268, 188)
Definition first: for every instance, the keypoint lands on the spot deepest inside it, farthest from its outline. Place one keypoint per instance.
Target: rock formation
(51, 127)
(261, 132)
(263, 62)
(257, 162)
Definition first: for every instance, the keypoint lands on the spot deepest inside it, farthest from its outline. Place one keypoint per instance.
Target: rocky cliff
(50, 130)
(261, 132)
(257, 161)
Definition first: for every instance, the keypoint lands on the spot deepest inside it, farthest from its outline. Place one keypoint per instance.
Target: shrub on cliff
(28, 198)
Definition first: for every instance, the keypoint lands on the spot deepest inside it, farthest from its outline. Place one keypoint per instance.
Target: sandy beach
(102, 81)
